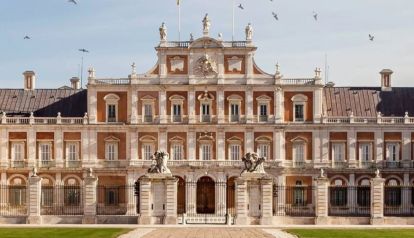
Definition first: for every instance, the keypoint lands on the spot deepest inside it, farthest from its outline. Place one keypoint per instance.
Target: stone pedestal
(34, 200)
(90, 200)
(245, 197)
(377, 201)
(321, 203)
(158, 199)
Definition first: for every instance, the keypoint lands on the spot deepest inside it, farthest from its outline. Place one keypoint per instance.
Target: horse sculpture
(252, 163)
(159, 163)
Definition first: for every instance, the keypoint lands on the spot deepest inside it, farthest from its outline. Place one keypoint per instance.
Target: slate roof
(43, 102)
(367, 101)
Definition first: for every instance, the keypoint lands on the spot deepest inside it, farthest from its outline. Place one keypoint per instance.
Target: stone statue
(249, 32)
(322, 175)
(163, 32)
(90, 171)
(34, 172)
(377, 173)
(159, 163)
(252, 163)
(191, 37)
(206, 24)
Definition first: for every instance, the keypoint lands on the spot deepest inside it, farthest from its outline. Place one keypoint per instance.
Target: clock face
(205, 66)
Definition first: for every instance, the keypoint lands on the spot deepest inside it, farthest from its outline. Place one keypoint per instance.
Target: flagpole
(179, 21)
(232, 25)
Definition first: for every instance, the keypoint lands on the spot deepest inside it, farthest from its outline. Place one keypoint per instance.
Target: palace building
(330, 155)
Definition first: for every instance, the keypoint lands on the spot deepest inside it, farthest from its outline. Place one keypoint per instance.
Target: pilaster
(4, 148)
(406, 149)
(321, 203)
(220, 105)
(59, 150)
(379, 146)
(34, 200)
(377, 201)
(266, 185)
(162, 142)
(249, 105)
(352, 142)
(31, 147)
(317, 105)
(249, 140)
(191, 105)
(221, 144)
(191, 144)
(241, 202)
(279, 145)
(163, 106)
(84, 145)
(190, 193)
(90, 200)
(279, 106)
(92, 105)
(134, 146)
(220, 191)
(145, 201)
(134, 106)
(130, 194)
(171, 201)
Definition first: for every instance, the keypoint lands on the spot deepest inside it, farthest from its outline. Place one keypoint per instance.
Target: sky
(119, 32)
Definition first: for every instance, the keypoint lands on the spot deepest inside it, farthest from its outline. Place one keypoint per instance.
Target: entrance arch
(231, 191)
(180, 195)
(206, 196)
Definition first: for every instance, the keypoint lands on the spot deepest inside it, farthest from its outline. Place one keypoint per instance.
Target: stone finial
(249, 32)
(191, 37)
(34, 172)
(277, 69)
(163, 32)
(406, 115)
(91, 73)
(206, 25)
(378, 114)
(377, 173)
(318, 73)
(220, 36)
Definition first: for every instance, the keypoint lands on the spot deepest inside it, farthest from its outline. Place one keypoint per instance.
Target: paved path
(215, 232)
(137, 233)
(279, 233)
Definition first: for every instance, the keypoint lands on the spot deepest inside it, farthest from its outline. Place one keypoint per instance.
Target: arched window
(338, 193)
(392, 193)
(364, 193)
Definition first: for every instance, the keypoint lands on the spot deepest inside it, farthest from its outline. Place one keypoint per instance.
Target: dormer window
(263, 106)
(234, 148)
(299, 109)
(111, 148)
(206, 100)
(148, 105)
(177, 103)
(147, 147)
(234, 107)
(111, 101)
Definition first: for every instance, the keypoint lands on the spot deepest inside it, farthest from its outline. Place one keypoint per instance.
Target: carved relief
(205, 66)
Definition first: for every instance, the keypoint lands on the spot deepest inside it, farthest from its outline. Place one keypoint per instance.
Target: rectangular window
(338, 152)
(177, 151)
(263, 150)
(45, 149)
(72, 152)
(111, 113)
(299, 115)
(392, 151)
(206, 152)
(365, 152)
(235, 152)
(263, 112)
(177, 112)
(17, 195)
(148, 112)
(18, 151)
(111, 196)
(47, 196)
(205, 109)
(148, 151)
(299, 152)
(234, 112)
(111, 151)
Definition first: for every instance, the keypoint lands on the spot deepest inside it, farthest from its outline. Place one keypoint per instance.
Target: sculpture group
(159, 163)
(252, 163)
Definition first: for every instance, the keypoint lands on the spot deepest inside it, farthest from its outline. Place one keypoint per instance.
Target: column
(220, 105)
(59, 149)
(134, 106)
(266, 185)
(171, 201)
(280, 199)
(131, 199)
(324, 153)
(163, 106)
(279, 107)
(58, 190)
(249, 66)
(162, 141)
(90, 200)
(241, 202)
(93, 148)
(406, 149)
(317, 105)
(84, 147)
(317, 148)
(352, 143)
(379, 147)
(34, 200)
(249, 140)
(190, 194)
(406, 195)
(92, 104)
(321, 203)
(31, 148)
(377, 200)
(249, 105)
(163, 65)
(4, 148)
(191, 106)
(134, 147)
(221, 194)
(145, 200)
(191, 144)
(279, 146)
(352, 192)
(221, 144)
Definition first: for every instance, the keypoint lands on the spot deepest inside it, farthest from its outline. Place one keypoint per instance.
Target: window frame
(111, 100)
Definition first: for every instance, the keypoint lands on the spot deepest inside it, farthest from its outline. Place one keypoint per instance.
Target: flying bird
(371, 37)
(26, 38)
(315, 16)
(84, 50)
(241, 6)
(275, 16)
(73, 1)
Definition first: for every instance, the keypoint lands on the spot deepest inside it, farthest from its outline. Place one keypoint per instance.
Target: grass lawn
(352, 233)
(62, 232)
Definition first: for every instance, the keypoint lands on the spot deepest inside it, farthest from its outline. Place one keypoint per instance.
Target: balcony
(299, 164)
(263, 118)
(339, 164)
(73, 163)
(205, 118)
(148, 118)
(46, 163)
(366, 164)
(112, 163)
(18, 164)
(177, 118)
(234, 118)
(111, 119)
(391, 164)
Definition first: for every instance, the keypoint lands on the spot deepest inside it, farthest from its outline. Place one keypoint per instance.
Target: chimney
(386, 79)
(29, 80)
(75, 83)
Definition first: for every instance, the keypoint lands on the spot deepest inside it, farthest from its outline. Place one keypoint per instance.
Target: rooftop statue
(206, 24)
(252, 163)
(249, 32)
(163, 32)
(159, 163)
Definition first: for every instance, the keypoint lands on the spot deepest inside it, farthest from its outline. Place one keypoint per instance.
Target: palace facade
(333, 155)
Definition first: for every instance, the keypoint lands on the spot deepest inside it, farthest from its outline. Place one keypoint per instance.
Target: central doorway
(206, 196)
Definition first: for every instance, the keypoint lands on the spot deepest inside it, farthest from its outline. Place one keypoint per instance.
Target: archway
(206, 196)
(180, 195)
(231, 201)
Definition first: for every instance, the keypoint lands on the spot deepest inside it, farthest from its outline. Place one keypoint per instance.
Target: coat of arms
(205, 66)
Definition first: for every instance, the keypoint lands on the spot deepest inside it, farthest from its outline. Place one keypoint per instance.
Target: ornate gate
(206, 196)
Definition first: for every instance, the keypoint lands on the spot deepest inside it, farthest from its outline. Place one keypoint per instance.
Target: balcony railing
(368, 120)
(263, 118)
(31, 120)
(73, 163)
(392, 164)
(46, 163)
(366, 164)
(205, 118)
(177, 118)
(148, 118)
(18, 163)
(234, 118)
(299, 164)
(339, 164)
